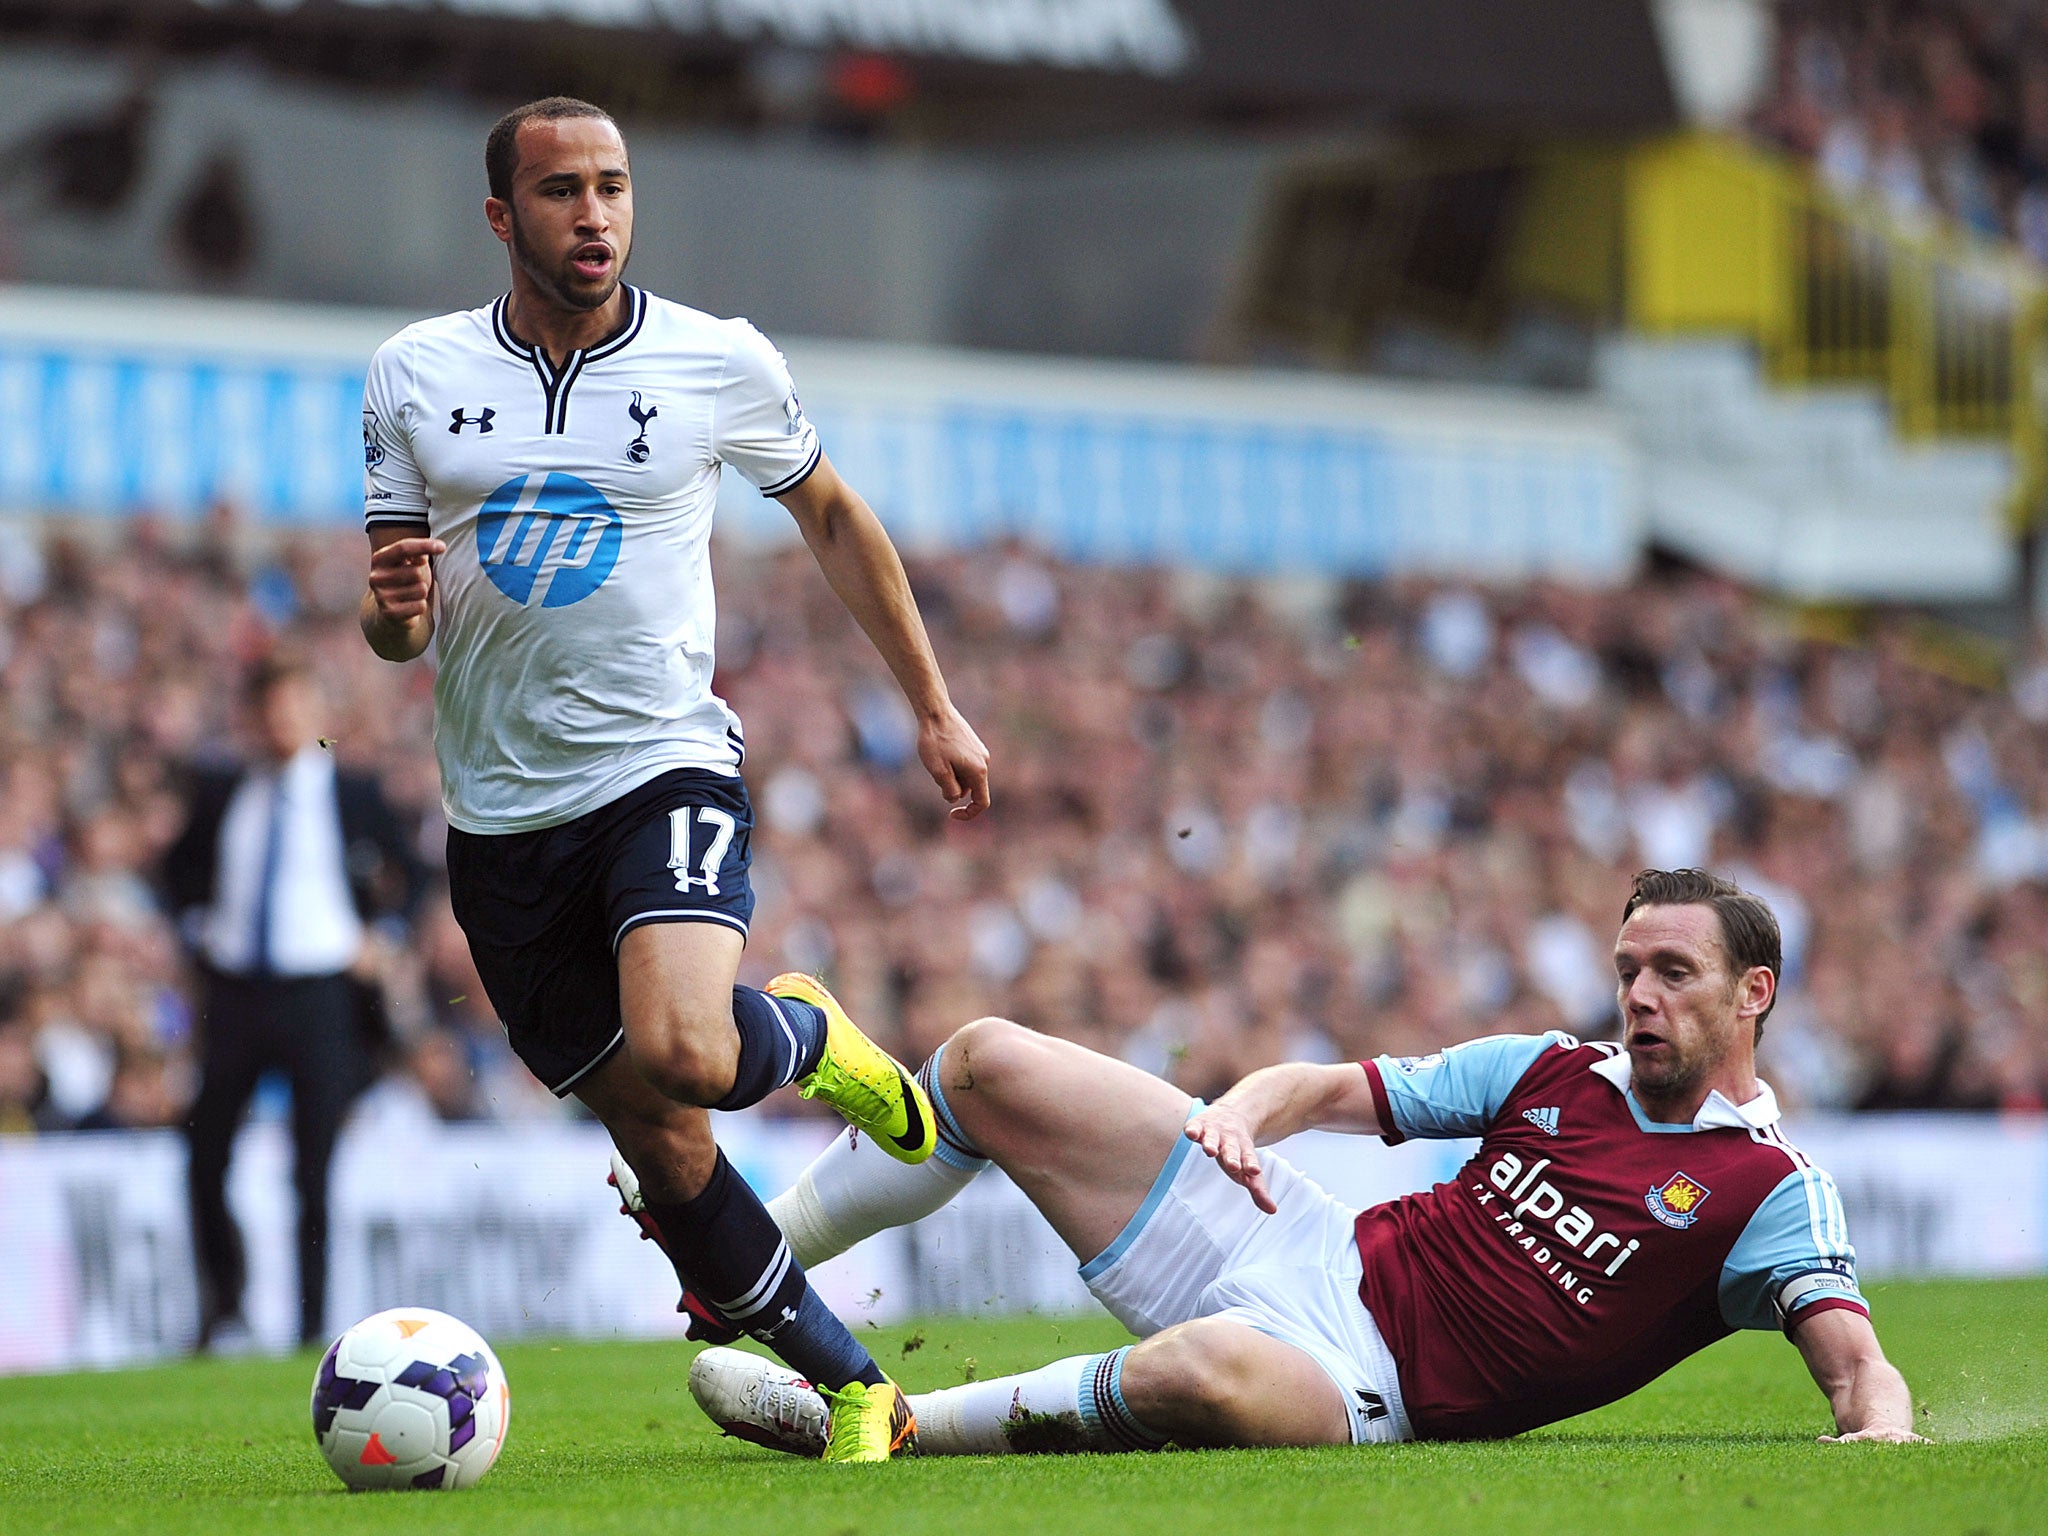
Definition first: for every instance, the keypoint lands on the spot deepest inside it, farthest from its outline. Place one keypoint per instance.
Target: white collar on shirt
(1718, 1113)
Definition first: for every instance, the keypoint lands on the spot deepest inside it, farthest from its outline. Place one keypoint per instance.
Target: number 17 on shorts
(698, 839)
(687, 856)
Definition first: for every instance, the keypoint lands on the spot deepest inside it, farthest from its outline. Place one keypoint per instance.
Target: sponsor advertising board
(513, 1229)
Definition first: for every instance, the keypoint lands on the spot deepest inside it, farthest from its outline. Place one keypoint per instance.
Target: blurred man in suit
(283, 864)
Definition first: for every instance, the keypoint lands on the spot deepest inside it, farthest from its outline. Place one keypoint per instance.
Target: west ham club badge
(1677, 1201)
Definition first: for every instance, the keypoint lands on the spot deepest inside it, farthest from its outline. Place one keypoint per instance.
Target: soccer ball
(410, 1398)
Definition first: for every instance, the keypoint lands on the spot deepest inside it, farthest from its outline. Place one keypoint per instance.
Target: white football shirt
(574, 613)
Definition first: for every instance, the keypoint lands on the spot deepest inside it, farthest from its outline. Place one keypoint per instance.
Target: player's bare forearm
(1302, 1096)
(1868, 1396)
(397, 611)
(862, 567)
(400, 640)
(861, 564)
(1875, 1404)
(1271, 1105)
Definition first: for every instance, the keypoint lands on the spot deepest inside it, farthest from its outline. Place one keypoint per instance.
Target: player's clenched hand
(1884, 1434)
(957, 761)
(1226, 1135)
(402, 578)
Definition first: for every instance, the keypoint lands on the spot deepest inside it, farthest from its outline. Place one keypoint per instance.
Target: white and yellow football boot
(762, 1402)
(769, 1404)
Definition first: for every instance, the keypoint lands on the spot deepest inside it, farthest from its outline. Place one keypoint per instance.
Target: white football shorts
(1198, 1247)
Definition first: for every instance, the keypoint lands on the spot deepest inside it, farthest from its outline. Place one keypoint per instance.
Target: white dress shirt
(314, 929)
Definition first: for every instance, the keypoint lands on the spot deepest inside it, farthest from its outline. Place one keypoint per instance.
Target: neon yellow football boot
(869, 1423)
(861, 1080)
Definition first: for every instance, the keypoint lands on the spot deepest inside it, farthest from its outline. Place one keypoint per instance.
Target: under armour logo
(1545, 1120)
(1373, 1404)
(482, 422)
(767, 1332)
(637, 450)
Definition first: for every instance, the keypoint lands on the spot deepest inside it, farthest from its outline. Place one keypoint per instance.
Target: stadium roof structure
(962, 68)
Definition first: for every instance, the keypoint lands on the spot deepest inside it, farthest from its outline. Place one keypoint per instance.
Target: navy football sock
(728, 1250)
(781, 1039)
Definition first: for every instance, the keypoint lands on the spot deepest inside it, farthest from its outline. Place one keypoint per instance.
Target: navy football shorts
(545, 911)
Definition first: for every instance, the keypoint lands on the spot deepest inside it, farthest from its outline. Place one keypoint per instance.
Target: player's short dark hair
(1748, 926)
(501, 149)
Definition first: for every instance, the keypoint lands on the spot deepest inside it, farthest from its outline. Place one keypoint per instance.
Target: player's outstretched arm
(853, 550)
(1272, 1104)
(1869, 1396)
(398, 609)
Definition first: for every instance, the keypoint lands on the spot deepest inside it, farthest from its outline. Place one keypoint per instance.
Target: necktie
(266, 884)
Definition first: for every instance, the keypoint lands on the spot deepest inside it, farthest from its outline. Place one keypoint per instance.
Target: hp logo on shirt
(550, 533)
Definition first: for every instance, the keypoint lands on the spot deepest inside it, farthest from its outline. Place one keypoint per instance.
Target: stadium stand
(1378, 476)
(1233, 829)
(1937, 109)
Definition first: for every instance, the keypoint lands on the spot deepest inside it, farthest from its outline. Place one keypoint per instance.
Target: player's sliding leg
(1082, 1134)
(1217, 1381)
(1088, 1139)
(1210, 1382)
(853, 1189)
(1076, 1404)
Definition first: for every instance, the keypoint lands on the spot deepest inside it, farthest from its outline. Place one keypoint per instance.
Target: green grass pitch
(605, 1439)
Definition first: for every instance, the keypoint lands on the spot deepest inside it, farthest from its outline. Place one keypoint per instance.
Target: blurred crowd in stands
(1937, 107)
(1234, 823)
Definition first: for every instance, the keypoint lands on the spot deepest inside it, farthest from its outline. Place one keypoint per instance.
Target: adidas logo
(1545, 1120)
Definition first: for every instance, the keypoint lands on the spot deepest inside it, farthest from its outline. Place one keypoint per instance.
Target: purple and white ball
(410, 1398)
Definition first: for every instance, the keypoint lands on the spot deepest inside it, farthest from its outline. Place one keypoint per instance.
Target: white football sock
(853, 1189)
(1076, 1404)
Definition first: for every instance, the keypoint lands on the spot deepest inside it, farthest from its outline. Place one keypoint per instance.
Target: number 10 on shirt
(680, 837)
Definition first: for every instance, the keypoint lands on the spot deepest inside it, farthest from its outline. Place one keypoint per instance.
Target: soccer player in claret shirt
(540, 476)
(1627, 1206)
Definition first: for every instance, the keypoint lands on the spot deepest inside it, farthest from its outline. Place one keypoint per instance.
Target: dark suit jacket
(385, 877)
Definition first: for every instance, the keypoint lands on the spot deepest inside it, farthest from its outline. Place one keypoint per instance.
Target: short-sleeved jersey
(575, 617)
(1585, 1249)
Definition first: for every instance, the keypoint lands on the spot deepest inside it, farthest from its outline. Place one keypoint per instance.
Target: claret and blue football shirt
(1584, 1249)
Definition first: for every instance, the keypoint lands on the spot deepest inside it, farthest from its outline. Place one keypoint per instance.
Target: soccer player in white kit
(540, 477)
